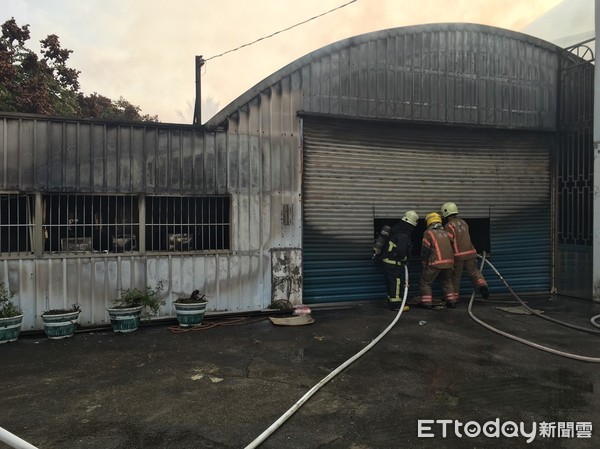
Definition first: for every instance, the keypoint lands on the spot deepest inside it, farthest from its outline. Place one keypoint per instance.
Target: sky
(144, 50)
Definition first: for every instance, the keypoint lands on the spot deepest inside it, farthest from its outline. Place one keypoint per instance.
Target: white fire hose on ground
(13, 440)
(18, 443)
(527, 342)
(263, 436)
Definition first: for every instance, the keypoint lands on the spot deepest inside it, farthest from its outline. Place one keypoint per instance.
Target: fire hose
(263, 436)
(522, 340)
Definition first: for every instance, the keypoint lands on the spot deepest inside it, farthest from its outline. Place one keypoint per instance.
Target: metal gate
(356, 171)
(575, 173)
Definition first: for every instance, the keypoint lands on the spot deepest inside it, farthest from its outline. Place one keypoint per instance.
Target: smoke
(144, 50)
(568, 23)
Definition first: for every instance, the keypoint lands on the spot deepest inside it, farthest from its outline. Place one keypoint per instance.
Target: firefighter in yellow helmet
(395, 255)
(437, 259)
(465, 254)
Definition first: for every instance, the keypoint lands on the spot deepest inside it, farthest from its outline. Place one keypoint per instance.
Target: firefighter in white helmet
(395, 254)
(437, 259)
(465, 254)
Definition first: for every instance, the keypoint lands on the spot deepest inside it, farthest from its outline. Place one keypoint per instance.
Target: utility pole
(198, 104)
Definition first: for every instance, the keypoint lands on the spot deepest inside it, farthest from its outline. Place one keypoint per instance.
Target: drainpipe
(596, 227)
(198, 106)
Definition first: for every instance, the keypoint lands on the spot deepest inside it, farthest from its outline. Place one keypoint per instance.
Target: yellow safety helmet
(449, 209)
(433, 217)
(411, 217)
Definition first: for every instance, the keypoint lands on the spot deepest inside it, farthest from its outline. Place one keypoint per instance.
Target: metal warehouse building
(280, 194)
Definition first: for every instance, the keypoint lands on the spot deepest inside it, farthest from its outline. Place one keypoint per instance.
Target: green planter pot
(190, 314)
(58, 326)
(125, 319)
(10, 328)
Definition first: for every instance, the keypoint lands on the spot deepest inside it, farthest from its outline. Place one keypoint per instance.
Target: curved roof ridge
(288, 69)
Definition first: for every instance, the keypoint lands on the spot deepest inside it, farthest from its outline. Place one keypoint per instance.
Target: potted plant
(126, 312)
(11, 316)
(61, 323)
(190, 310)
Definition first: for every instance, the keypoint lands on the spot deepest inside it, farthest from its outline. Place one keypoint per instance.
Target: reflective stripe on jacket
(436, 242)
(458, 230)
(398, 246)
(392, 249)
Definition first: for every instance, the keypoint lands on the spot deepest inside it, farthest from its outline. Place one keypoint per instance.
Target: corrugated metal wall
(454, 73)
(356, 171)
(83, 156)
(471, 75)
(447, 73)
(251, 150)
(254, 161)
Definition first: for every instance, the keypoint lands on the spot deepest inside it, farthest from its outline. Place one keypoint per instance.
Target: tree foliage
(45, 84)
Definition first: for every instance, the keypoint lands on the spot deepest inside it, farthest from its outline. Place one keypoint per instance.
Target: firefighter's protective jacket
(398, 246)
(436, 249)
(458, 230)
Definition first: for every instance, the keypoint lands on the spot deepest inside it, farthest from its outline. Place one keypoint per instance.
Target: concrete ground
(222, 387)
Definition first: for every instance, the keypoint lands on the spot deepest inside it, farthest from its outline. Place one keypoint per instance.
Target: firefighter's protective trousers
(430, 274)
(465, 254)
(393, 282)
(438, 261)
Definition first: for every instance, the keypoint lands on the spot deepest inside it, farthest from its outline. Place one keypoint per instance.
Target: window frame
(37, 225)
(27, 226)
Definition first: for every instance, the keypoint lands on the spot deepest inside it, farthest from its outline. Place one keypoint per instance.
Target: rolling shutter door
(355, 171)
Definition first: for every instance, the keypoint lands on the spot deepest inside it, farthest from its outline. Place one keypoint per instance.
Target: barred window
(90, 223)
(16, 223)
(187, 223)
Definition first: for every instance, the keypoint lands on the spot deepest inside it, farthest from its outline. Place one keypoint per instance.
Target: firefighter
(465, 254)
(395, 254)
(437, 259)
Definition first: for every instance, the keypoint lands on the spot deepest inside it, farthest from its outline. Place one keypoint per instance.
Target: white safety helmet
(449, 209)
(411, 217)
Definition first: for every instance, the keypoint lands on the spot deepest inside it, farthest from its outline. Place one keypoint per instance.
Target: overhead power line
(280, 31)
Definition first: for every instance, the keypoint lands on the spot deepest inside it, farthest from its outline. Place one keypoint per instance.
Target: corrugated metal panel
(357, 170)
(448, 73)
(453, 74)
(81, 156)
(256, 160)
(231, 282)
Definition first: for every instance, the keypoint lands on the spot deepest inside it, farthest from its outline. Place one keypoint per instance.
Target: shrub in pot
(11, 316)
(126, 312)
(190, 310)
(61, 323)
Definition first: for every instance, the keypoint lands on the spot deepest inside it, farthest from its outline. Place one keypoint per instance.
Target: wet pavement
(221, 387)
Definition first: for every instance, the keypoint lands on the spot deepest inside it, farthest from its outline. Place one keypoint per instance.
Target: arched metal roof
(440, 39)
